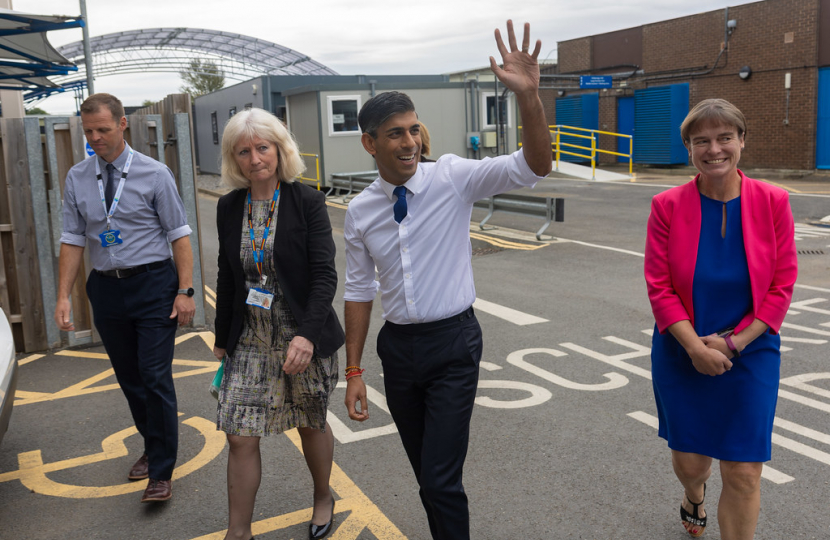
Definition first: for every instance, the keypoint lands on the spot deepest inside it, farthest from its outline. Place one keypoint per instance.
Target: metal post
(594, 155)
(557, 147)
(187, 190)
(90, 85)
(631, 157)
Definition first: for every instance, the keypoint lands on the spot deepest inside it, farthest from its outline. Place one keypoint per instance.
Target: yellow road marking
(363, 514)
(210, 292)
(782, 186)
(505, 243)
(32, 472)
(338, 205)
(31, 358)
(85, 387)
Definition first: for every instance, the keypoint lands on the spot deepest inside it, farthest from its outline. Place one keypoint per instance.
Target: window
(488, 110)
(231, 112)
(249, 106)
(343, 115)
(214, 125)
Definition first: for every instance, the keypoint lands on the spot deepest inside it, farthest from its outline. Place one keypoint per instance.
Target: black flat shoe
(693, 519)
(316, 532)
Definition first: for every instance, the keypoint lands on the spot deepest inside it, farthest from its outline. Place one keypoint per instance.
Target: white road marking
(806, 305)
(811, 288)
(800, 448)
(609, 248)
(506, 313)
(806, 329)
(615, 380)
(538, 395)
(617, 360)
(768, 473)
(809, 402)
(800, 382)
(489, 366)
(804, 340)
(801, 430)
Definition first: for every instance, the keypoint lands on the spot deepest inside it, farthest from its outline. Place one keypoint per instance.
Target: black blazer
(304, 258)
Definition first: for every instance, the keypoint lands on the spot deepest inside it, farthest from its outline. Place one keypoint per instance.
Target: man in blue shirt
(125, 207)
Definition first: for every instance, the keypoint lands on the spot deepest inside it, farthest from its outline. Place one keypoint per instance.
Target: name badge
(260, 298)
(110, 238)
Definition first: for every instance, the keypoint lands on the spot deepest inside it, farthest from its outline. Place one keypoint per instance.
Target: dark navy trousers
(430, 373)
(132, 316)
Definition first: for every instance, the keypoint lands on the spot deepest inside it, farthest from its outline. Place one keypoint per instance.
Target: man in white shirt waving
(413, 224)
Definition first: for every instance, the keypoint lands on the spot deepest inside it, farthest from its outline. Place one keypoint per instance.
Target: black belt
(122, 273)
(423, 327)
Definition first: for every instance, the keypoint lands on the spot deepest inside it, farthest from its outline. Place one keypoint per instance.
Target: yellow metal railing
(557, 131)
(316, 168)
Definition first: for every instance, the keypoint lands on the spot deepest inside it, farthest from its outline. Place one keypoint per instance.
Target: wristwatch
(189, 292)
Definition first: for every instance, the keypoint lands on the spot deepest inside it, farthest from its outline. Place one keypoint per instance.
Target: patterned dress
(257, 398)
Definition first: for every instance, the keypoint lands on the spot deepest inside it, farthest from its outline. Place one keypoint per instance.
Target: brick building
(775, 43)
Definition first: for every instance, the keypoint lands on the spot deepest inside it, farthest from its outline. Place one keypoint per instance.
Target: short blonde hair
(259, 123)
(718, 111)
(424, 140)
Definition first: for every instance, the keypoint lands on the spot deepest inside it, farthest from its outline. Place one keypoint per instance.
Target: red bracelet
(355, 373)
(729, 343)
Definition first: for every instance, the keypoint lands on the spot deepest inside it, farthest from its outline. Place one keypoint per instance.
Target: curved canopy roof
(171, 50)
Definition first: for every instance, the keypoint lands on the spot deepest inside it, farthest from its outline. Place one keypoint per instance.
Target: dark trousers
(133, 317)
(430, 372)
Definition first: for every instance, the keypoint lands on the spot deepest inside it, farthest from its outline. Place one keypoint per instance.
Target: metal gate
(37, 154)
(658, 113)
(577, 111)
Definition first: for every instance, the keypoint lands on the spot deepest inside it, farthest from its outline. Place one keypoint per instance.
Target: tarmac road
(563, 441)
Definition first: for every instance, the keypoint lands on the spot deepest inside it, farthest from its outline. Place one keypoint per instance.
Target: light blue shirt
(150, 213)
(424, 268)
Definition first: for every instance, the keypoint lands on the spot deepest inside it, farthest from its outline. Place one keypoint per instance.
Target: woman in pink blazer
(720, 267)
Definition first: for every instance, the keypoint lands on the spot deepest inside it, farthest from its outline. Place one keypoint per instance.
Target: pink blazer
(671, 252)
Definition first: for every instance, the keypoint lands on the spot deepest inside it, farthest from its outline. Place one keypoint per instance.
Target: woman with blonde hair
(275, 325)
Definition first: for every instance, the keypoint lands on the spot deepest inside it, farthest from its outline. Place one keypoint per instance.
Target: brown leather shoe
(157, 491)
(140, 470)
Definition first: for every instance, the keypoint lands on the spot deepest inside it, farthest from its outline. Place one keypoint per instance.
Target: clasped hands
(714, 357)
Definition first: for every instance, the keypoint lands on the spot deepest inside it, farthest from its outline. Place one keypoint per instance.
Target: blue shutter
(658, 113)
(823, 121)
(578, 111)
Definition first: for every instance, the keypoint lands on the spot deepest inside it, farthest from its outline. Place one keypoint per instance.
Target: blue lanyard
(117, 196)
(259, 254)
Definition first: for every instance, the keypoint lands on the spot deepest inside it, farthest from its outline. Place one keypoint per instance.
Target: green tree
(203, 77)
(148, 103)
(37, 111)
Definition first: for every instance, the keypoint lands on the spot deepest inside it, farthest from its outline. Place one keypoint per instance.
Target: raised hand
(520, 71)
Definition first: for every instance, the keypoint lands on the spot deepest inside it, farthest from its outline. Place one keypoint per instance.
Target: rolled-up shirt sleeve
(361, 285)
(74, 225)
(169, 205)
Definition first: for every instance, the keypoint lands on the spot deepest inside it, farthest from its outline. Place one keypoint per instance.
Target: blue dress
(728, 416)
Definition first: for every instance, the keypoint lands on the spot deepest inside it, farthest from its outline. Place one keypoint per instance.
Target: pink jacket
(671, 252)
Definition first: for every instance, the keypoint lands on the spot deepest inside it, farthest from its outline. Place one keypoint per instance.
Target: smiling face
(257, 160)
(715, 150)
(104, 133)
(397, 147)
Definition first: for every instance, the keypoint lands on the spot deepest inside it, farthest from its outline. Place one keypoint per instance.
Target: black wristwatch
(189, 292)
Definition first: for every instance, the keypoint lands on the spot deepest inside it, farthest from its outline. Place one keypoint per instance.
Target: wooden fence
(36, 155)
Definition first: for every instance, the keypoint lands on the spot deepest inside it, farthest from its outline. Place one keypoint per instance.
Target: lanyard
(118, 191)
(259, 254)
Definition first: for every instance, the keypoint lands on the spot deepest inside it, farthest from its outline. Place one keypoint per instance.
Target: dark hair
(93, 104)
(377, 110)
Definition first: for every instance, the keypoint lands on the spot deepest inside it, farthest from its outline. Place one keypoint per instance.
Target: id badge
(260, 298)
(110, 238)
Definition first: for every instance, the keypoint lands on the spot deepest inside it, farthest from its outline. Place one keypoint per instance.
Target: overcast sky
(357, 36)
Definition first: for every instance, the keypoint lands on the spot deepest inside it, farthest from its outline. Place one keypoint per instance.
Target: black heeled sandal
(694, 518)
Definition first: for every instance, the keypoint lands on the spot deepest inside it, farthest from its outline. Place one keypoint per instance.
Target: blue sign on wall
(595, 81)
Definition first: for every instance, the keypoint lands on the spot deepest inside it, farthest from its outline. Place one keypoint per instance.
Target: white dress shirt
(424, 265)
